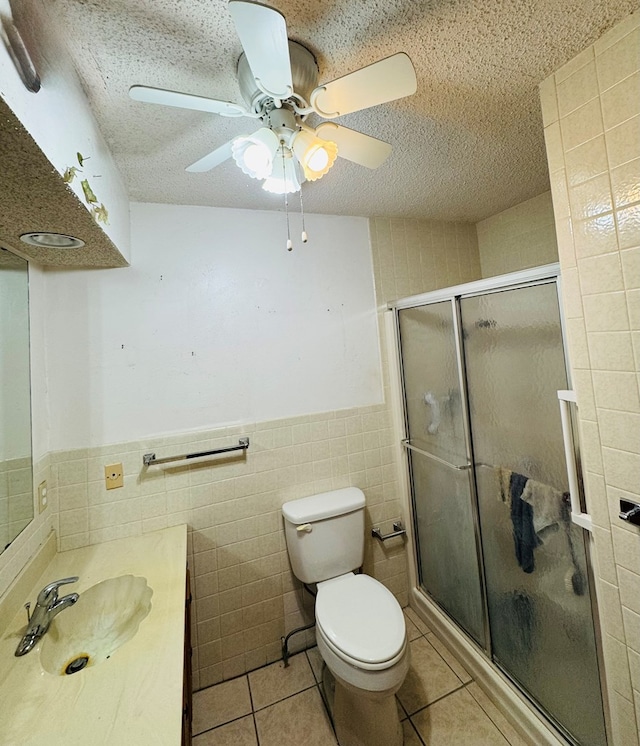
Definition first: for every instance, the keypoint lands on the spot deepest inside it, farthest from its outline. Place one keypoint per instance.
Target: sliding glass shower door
(539, 605)
(496, 546)
(440, 465)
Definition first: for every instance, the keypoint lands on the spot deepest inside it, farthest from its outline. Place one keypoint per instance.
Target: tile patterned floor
(439, 703)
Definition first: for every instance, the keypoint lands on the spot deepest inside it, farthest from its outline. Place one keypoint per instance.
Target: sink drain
(77, 664)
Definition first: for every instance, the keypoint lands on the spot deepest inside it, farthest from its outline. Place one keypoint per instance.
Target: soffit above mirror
(35, 197)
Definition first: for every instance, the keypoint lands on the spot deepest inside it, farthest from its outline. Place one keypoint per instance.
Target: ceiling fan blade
(263, 35)
(218, 156)
(355, 146)
(385, 80)
(185, 101)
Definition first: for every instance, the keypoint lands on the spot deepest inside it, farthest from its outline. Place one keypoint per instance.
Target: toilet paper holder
(398, 530)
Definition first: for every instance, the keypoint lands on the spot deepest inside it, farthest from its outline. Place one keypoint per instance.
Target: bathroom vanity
(137, 693)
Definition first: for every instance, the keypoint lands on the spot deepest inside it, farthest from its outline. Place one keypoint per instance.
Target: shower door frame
(546, 274)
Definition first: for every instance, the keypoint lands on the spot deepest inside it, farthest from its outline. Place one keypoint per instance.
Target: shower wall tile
(616, 390)
(416, 256)
(585, 161)
(623, 722)
(525, 235)
(622, 141)
(617, 660)
(578, 89)
(603, 210)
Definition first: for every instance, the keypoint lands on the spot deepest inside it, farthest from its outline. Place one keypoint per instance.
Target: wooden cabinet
(186, 678)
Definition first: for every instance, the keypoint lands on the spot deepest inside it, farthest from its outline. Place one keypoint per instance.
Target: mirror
(16, 480)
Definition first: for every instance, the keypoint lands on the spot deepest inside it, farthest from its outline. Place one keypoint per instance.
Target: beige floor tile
(220, 703)
(499, 720)
(450, 659)
(422, 626)
(411, 738)
(238, 733)
(412, 631)
(316, 662)
(429, 677)
(298, 720)
(275, 682)
(457, 719)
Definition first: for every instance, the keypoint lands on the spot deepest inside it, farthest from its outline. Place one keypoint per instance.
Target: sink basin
(105, 617)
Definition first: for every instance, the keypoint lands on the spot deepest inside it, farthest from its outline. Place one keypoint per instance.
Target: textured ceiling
(468, 144)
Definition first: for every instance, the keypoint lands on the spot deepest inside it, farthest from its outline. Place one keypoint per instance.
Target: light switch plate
(113, 476)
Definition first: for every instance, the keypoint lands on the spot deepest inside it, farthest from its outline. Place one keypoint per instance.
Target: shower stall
(496, 543)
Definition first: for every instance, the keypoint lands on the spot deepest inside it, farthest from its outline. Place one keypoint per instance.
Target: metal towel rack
(409, 445)
(149, 459)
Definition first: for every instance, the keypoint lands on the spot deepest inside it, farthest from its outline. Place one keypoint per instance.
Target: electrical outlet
(113, 476)
(43, 499)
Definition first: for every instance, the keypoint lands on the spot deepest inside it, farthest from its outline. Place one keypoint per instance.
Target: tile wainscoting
(245, 595)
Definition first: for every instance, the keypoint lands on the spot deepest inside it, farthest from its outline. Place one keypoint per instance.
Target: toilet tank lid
(325, 505)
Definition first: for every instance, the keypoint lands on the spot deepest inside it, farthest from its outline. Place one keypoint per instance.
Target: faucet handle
(50, 592)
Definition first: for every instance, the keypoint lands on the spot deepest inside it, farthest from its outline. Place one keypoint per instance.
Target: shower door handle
(407, 444)
(579, 517)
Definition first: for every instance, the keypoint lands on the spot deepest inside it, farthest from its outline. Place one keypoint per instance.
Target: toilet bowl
(360, 627)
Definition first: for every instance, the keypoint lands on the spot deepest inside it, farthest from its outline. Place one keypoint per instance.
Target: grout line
(415, 730)
(438, 699)
(255, 728)
(221, 725)
(327, 713)
(486, 713)
(253, 709)
(452, 655)
(289, 696)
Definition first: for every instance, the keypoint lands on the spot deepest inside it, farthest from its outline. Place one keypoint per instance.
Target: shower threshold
(532, 724)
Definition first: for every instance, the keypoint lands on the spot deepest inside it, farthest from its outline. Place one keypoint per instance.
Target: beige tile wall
(415, 256)
(245, 595)
(16, 556)
(518, 238)
(591, 112)
(16, 498)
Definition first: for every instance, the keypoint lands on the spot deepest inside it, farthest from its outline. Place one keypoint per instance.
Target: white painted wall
(58, 117)
(15, 413)
(215, 322)
(39, 385)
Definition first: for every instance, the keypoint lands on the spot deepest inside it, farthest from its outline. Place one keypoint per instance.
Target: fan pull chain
(286, 207)
(305, 238)
(286, 210)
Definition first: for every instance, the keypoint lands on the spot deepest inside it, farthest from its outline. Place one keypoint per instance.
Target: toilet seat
(361, 621)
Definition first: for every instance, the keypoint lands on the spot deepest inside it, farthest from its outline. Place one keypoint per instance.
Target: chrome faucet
(48, 606)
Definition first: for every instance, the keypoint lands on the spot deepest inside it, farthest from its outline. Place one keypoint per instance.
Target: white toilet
(360, 627)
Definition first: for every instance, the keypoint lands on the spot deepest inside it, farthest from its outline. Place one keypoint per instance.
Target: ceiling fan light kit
(254, 154)
(285, 177)
(278, 80)
(316, 156)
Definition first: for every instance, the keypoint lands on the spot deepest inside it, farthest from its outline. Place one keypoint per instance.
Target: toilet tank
(325, 534)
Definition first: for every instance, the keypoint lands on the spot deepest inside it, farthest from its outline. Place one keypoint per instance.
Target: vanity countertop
(132, 699)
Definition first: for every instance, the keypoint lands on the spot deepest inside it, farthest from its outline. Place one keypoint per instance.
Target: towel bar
(149, 459)
(407, 444)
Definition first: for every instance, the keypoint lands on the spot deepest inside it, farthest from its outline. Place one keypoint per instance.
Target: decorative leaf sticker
(100, 214)
(69, 175)
(89, 196)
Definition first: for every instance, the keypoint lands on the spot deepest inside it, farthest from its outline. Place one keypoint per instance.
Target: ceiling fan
(278, 80)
